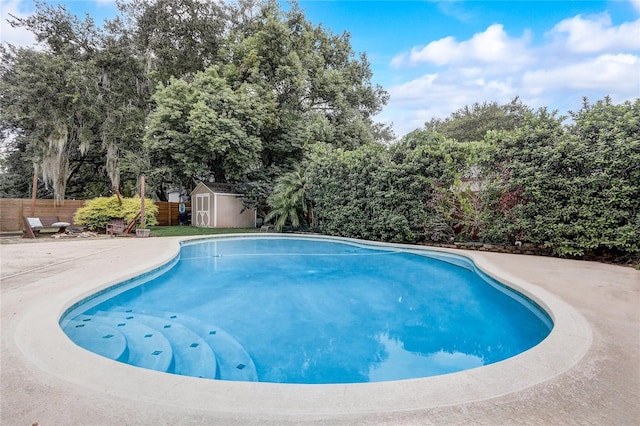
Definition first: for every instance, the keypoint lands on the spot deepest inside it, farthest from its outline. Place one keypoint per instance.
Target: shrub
(98, 212)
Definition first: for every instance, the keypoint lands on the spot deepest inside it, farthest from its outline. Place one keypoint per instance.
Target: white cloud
(597, 34)
(609, 73)
(439, 94)
(585, 56)
(399, 60)
(636, 4)
(415, 89)
(440, 52)
(8, 34)
(493, 46)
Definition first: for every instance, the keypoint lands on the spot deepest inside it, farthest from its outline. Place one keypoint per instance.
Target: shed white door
(203, 216)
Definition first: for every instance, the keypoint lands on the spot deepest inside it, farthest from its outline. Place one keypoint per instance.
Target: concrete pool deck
(586, 372)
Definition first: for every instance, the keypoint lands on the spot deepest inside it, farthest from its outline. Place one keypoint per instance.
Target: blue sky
(434, 57)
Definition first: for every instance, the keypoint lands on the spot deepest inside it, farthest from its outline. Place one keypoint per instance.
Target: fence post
(34, 193)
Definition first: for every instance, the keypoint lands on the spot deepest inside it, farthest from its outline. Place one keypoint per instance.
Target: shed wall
(224, 210)
(231, 213)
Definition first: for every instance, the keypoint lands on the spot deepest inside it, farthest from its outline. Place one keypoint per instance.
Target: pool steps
(234, 363)
(111, 343)
(192, 356)
(163, 341)
(146, 347)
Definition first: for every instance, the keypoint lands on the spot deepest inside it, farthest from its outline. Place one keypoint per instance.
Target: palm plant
(289, 199)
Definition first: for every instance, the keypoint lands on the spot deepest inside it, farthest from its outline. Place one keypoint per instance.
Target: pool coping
(39, 338)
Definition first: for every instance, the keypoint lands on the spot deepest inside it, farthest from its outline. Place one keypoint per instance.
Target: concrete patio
(586, 372)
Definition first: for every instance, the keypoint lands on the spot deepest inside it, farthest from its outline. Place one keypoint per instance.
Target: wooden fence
(13, 209)
(168, 212)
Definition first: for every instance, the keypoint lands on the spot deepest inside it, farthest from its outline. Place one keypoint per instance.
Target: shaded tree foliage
(287, 85)
(46, 107)
(177, 38)
(72, 107)
(322, 92)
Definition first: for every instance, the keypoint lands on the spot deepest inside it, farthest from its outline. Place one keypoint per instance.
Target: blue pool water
(295, 310)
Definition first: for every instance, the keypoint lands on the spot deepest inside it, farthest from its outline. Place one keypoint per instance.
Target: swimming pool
(304, 310)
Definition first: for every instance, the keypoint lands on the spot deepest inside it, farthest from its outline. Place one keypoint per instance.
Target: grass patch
(185, 231)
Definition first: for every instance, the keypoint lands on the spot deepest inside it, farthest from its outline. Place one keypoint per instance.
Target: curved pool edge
(43, 342)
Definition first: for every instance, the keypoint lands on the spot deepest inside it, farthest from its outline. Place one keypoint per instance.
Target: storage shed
(217, 206)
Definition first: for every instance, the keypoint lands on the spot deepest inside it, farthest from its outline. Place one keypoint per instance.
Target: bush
(98, 212)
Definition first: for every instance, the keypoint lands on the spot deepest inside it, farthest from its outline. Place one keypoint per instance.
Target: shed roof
(217, 187)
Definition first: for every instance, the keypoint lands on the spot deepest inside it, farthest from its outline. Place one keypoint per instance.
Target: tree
(343, 188)
(428, 165)
(390, 193)
(314, 90)
(283, 85)
(599, 161)
(207, 129)
(522, 180)
(177, 38)
(289, 200)
(124, 102)
(471, 123)
(101, 110)
(46, 105)
(322, 93)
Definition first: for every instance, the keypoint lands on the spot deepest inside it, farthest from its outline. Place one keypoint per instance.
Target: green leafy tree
(522, 175)
(472, 122)
(206, 128)
(124, 102)
(322, 92)
(430, 166)
(87, 84)
(46, 106)
(342, 189)
(387, 193)
(177, 38)
(599, 164)
(314, 89)
(474, 196)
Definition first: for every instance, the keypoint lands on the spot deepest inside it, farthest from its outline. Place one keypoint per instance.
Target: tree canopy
(259, 86)
(472, 122)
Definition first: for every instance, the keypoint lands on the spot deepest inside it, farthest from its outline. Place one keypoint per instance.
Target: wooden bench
(34, 225)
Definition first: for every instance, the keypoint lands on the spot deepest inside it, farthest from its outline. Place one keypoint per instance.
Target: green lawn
(181, 231)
